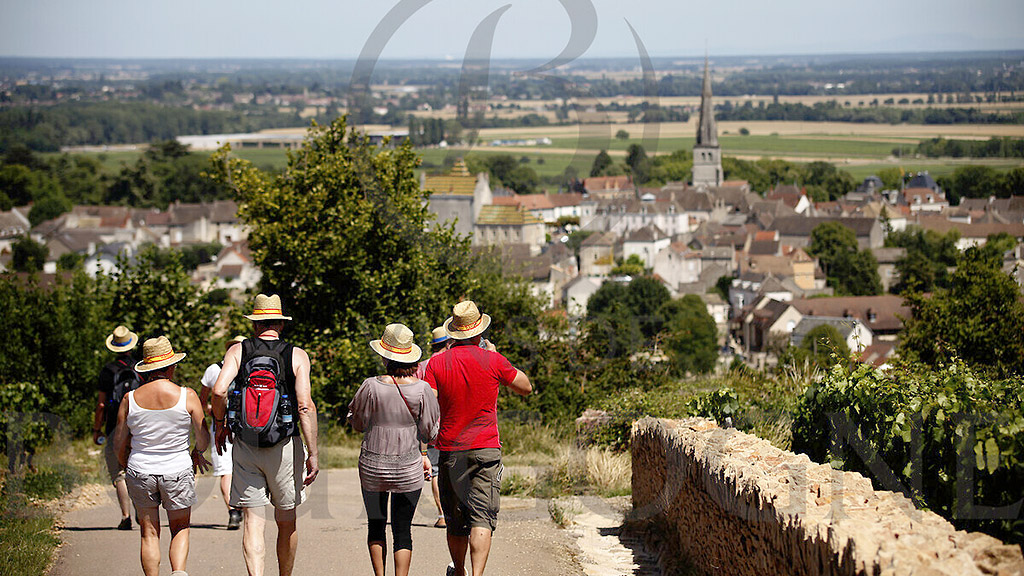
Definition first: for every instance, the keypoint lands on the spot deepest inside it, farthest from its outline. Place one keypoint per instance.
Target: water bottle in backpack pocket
(260, 391)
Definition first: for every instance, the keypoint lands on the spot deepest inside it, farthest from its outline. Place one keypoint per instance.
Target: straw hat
(438, 335)
(397, 344)
(267, 308)
(466, 321)
(122, 340)
(156, 354)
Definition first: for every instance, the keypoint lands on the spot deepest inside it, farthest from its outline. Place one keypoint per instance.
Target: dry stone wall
(732, 503)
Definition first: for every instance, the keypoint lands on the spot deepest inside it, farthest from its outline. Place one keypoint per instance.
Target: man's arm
(521, 384)
(204, 399)
(232, 361)
(97, 418)
(121, 435)
(307, 412)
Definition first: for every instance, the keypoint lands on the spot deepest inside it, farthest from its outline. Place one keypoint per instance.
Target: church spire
(707, 132)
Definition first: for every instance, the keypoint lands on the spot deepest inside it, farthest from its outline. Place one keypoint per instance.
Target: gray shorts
(470, 485)
(270, 475)
(110, 457)
(434, 454)
(175, 491)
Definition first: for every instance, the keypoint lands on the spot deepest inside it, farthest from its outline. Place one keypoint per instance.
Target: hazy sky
(530, 28)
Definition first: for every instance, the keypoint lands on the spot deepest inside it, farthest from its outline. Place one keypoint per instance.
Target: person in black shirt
(121, 342)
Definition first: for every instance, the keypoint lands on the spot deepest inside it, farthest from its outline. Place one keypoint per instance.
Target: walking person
(221, 462)
(152, 444)
(398, 414)
(467, 378)
(270, 380)
(116, 379)
(438, 343)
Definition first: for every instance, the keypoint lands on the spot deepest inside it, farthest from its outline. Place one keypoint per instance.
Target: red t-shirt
(466, 378)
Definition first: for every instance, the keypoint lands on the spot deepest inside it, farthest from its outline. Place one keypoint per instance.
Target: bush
(931, 428)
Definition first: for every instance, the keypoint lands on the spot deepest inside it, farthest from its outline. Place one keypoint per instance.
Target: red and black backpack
(262, 399)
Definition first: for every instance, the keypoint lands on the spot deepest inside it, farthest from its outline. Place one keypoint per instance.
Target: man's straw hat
(234, 341)
(466, 321)
(267, 308)
(122, 340)
(397, 344)
(438, 335)
(156, 354)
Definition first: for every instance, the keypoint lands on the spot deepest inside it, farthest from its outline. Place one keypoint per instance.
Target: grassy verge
(28, 534)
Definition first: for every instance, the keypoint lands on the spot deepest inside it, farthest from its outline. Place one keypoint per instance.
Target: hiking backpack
(126, 379)
(260, 404)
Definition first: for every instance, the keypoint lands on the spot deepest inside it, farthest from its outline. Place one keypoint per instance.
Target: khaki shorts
(470, 486)
(175, 491)
(110, 457)
(271, 475)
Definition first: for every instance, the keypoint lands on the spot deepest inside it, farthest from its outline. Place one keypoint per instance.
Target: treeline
(992, 148)
(47, 129)
(832, 112)
(981, 182)
(167, 172)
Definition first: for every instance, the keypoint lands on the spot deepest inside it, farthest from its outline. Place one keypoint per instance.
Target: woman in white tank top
(152, 444)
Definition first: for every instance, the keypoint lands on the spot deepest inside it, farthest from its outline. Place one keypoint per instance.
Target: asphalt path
(332, 537)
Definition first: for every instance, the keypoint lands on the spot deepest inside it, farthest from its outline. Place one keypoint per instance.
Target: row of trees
(831, 111)
(47, 129)
(992, 148)
(167, 172)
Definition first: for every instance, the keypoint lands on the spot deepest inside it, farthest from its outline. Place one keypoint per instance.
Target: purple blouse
(389, 460)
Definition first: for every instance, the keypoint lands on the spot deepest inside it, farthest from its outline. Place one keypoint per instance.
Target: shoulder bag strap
(399, 388)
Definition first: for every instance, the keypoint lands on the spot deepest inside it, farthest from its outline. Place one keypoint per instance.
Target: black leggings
(403, 506)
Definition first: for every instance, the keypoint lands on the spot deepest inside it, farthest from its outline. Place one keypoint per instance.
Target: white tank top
(159, 437)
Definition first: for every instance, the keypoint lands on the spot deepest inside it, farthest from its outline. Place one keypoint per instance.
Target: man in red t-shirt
(467, 378)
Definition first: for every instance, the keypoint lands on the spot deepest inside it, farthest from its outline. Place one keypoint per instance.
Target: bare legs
(149, 524)
(225, 489)
(378, 557)
(178, 521)
(123, 500)
(254, 551)
(479, 544)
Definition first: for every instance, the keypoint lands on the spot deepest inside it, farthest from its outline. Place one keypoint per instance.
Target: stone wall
(732, 503)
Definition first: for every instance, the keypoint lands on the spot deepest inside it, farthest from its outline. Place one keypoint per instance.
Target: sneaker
(126, 524)
(234, 519)
(450, 571)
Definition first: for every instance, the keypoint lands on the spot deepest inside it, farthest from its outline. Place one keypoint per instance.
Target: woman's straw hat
(397, 344)
(122, 340)
(438, 335)
(156, 354)
(466, 321)
(267, 308)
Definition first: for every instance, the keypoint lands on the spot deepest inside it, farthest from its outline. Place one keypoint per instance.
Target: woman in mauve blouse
(398, 414)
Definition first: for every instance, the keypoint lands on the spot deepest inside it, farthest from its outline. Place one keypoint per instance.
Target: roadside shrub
(929, 429)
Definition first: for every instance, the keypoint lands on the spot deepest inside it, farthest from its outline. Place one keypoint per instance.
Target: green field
(816, 147)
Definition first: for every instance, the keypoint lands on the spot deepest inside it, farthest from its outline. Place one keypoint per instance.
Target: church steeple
(707, 132)
(707, 154)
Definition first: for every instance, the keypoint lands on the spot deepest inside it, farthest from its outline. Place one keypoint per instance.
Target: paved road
(332, 537)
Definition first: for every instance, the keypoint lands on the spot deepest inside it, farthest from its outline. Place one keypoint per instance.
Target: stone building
(707, 154)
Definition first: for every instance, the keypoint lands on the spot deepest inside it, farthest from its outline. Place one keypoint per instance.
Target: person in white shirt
(153, 425)
(221, 462)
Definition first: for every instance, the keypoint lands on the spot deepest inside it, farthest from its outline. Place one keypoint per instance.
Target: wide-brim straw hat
(234, 341)
(397, 344)
(267, 308)
(466, 321)
(156, 354)
(122, 340)
(438, 335)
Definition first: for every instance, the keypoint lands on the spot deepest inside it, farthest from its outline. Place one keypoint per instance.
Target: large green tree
(343, 234)
(849, 271)
(979, 319)
(690, 336)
